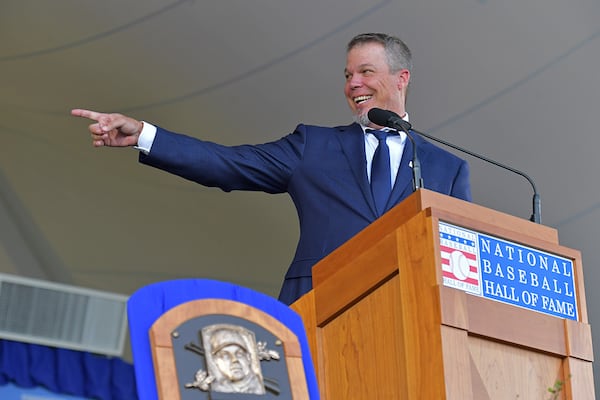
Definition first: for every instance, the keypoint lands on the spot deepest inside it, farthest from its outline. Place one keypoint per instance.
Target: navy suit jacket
(324, 172)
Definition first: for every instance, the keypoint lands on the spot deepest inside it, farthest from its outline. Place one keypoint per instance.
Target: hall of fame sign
(500, 270)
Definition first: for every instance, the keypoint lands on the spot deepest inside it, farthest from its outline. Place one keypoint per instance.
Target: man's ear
(403, 78)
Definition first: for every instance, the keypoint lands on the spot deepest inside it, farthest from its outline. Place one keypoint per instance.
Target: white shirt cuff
(146, 138)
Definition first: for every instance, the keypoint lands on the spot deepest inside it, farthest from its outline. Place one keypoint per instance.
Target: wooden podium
(382, 324)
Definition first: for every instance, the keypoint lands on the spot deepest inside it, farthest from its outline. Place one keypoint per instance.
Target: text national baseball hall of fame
(496, 269)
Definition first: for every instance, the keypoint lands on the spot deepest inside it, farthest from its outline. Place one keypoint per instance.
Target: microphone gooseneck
(393, 120)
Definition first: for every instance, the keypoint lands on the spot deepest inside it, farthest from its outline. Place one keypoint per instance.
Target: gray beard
(362, 119)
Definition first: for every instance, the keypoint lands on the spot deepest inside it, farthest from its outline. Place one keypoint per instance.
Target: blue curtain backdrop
(66, 371)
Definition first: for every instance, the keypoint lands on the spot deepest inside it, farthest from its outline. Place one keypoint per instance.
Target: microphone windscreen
(381, 117)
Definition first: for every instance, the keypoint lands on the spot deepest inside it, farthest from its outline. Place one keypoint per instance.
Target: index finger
(78, 112)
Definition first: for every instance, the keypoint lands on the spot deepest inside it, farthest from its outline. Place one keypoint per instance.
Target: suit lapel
(352, 141)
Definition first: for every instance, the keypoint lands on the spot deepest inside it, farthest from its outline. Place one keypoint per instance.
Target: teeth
(361, 99)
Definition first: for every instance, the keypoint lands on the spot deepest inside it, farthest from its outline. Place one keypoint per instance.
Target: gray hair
(397, 52)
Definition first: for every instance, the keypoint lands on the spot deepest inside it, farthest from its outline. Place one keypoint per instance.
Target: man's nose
(355, 82)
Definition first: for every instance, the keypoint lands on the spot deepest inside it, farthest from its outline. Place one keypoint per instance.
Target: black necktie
(381, 186)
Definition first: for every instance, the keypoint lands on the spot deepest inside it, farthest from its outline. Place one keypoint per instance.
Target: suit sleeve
(265, 167)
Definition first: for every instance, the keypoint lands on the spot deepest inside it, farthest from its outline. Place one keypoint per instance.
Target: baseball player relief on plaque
(232, 361)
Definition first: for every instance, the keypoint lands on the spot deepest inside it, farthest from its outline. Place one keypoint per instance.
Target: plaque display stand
(179, 328)
(381, 323)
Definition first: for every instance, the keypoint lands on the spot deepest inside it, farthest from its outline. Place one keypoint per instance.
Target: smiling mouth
(361, 99)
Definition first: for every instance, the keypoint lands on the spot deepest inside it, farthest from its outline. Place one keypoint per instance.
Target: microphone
(393, 120)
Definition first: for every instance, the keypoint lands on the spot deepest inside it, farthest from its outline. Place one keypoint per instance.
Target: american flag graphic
(460, 265)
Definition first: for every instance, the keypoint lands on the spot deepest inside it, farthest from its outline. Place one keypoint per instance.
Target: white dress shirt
(396, 146)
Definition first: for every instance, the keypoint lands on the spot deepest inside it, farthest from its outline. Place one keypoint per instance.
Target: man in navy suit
(326, 171)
